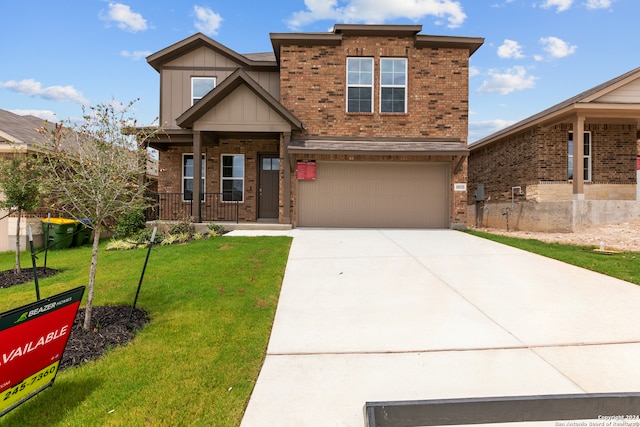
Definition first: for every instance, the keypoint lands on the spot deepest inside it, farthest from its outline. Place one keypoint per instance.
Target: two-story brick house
(363, 126)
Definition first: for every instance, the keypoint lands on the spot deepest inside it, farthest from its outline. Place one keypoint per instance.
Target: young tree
(92, 171)
(20, 183)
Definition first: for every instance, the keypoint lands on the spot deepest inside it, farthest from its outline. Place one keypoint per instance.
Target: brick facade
(540, 155)
(170, 174)
(313, 87)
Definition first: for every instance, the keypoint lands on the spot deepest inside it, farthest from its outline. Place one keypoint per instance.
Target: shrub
(181, 227)
(130, 224)
(216, 229)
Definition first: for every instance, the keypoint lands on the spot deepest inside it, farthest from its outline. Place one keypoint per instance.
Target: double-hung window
(232, 178)
(393, 85)
(586, 159)
(200, 86)
(187, 177)
(360, 85)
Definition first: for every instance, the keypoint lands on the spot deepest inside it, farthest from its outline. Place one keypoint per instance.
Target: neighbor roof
(20, 129)
(584, 101)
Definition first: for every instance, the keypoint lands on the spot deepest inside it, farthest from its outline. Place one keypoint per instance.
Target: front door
(269, 186)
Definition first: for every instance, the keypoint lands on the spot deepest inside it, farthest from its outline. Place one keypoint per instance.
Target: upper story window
(586, 156)
(393, 85)
(360, 85)
(200, 86)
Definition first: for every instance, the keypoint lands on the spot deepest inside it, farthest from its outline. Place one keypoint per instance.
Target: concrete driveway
(388, 315)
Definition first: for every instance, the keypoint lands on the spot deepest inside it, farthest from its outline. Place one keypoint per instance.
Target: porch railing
(178, 206)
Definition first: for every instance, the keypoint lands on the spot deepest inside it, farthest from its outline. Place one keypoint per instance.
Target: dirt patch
(623, 237)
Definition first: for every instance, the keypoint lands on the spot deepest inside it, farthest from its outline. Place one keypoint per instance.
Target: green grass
(623, 265)
(211, 304)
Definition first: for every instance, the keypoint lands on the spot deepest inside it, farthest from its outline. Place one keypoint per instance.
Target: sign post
(32, 340)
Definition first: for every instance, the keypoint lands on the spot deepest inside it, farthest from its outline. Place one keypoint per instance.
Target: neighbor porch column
(578, 172)
(197, 176)
(578, 158)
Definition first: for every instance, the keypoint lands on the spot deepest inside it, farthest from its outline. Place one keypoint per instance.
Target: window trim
(588, 157)
(405, 85)
(371, 86)
(204, 181)
(223, 178)
(193, 79)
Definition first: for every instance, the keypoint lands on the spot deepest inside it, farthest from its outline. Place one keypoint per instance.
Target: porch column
(197, 175)
(286, 179)
(578, 158)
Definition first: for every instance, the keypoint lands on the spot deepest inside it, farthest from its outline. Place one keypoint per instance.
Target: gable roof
(158, 59)
(586, 101)
(228, 85)
(20, 129)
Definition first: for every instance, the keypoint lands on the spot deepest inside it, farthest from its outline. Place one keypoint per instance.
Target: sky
(58, 56)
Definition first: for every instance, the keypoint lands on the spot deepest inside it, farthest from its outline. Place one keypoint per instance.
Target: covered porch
(224, 161)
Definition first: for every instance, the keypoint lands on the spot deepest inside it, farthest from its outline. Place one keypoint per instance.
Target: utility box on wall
(479, 194)
(306, 169)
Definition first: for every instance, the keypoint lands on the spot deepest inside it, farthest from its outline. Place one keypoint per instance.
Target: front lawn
(624, 265)
(211, 304)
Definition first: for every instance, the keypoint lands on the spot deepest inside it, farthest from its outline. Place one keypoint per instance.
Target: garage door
(375, 194)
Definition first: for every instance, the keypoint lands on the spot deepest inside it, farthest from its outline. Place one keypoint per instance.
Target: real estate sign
(32, 340)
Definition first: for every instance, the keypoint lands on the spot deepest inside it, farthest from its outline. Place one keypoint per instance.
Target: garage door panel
(382, 194)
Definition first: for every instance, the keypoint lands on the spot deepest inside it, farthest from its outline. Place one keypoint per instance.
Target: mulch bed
(9, 277)
(110, 326)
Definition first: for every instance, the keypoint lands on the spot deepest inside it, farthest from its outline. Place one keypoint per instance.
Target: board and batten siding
(175, 80)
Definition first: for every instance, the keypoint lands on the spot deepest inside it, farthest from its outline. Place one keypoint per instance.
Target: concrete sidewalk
(387, 315)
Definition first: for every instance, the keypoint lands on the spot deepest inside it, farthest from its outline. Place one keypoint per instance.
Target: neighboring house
(571, 165)
(18, 134)
(363, 126)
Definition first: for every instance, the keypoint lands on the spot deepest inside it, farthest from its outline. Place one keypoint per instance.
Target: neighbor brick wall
(541, 155)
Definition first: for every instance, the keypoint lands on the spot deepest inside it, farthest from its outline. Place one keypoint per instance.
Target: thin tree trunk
(92, 277)
(17, 268)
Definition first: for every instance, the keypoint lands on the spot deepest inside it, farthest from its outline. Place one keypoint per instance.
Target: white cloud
(377, 11)
(503, 83)
(125, 18)
(31, 87)
(599, 4)
(43, 114)
(136, 55)
(474, 71)
(510, 49)
(207, 21)
(561, 5)
(556, 47)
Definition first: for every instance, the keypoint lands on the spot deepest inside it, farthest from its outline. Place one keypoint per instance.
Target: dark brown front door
(268, 190)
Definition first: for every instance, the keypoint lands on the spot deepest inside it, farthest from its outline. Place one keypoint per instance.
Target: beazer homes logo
(40, 310)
